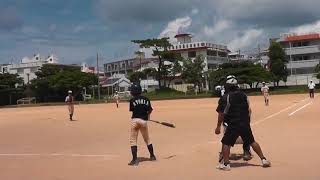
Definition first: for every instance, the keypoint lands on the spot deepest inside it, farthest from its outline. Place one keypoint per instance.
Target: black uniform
(140, 107)
(235, 106)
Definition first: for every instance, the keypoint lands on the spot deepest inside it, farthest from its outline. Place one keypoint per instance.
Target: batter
(141, 109)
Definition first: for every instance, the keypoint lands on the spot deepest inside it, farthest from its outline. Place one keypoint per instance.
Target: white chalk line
(106, 156)
(255, 123)
(300, 109)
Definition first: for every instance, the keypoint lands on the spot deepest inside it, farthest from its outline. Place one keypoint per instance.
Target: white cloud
(219, 27)
(176, 26)
(248, 39)
(307, 28)
(195, 11)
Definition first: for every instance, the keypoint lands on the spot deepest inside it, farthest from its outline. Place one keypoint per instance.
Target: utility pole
(98, 76)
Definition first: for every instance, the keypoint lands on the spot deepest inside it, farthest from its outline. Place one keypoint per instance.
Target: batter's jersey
(140, 107)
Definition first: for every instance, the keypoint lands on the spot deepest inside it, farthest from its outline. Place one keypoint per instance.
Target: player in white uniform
(311, 87)
(117, 98)
(69, 101)
(265, 93)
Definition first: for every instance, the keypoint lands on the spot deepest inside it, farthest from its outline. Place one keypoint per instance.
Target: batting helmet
(135, 89)
(69, 92)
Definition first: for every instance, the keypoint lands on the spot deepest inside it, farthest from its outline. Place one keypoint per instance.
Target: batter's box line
(105, 156)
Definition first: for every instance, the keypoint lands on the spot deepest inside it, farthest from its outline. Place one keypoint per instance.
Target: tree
(54, 81)
(277, 62)
(173, 70)
(9, 80)
(246, 73)
(8, 91)
(136, 76)
(160, 49)
(317, 71)
(192, 71)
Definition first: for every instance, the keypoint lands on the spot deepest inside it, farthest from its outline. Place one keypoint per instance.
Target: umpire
(237, 113)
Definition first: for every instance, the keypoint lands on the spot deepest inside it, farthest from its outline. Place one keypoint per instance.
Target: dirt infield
(39, 143)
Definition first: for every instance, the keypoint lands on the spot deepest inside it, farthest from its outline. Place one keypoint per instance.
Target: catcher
(141, 109)
(237, 113)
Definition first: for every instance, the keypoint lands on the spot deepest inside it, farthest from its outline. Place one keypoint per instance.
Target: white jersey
(116, 96)
(222, 92)
(265, 89)
(69, 99)
(311, 85)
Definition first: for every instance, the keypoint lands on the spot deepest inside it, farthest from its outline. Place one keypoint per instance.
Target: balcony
(303, 50)
(217, 60)
(303, 64)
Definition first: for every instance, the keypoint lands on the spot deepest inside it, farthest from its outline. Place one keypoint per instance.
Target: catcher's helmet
(232, 80)
(135, 89)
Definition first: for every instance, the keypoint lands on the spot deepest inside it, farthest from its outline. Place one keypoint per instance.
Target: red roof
(302, 37)
(181, 35)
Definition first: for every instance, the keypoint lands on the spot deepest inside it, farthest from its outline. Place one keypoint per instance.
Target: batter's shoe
(153, 158)
(133, 162)
(247, 156)
(224, 167)
(220, 158)
(265, 163)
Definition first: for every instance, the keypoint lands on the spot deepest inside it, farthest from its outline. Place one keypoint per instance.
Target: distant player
(222, 91)
(141, 109)
(117, 98)
(311, 87)
(237, 113)
(70, 103)
(265, 93)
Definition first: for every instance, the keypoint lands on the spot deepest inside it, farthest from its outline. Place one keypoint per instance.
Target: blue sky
(75, 30)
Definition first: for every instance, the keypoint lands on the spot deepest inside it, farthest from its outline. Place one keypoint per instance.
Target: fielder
(69, 101)
(117, 98)
(237, 113)
(265, 93)
(311, 87)
(141, 109)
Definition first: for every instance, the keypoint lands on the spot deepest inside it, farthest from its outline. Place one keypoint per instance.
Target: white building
(212, 54)
(28, 66)
(303, 55)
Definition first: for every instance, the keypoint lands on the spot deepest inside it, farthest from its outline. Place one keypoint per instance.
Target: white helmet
(69, 92)
(263, 82)
(232, 80)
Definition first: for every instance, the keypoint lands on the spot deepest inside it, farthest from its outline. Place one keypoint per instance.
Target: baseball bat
(164, 123)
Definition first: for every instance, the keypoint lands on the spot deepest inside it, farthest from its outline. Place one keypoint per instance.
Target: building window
(192, 54)
(211, 53)
(183, 46)
(20, 71)
(34, 69)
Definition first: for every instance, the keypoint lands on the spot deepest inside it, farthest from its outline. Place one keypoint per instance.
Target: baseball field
(40, 143)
